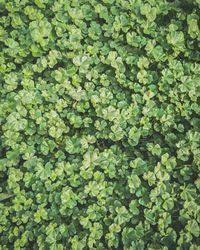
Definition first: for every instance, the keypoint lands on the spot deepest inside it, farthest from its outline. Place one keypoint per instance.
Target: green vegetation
(99, 124)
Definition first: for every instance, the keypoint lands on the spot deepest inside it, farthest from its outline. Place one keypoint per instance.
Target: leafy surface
(100, 124)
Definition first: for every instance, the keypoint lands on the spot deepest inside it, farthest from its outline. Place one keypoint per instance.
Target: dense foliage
(100, 124)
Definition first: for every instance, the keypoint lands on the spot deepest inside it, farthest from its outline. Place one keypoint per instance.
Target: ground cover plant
(99, 124)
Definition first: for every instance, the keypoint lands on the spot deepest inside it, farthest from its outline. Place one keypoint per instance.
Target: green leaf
(134, 207)
(193, 228)
(133, 183)
(5, 196)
